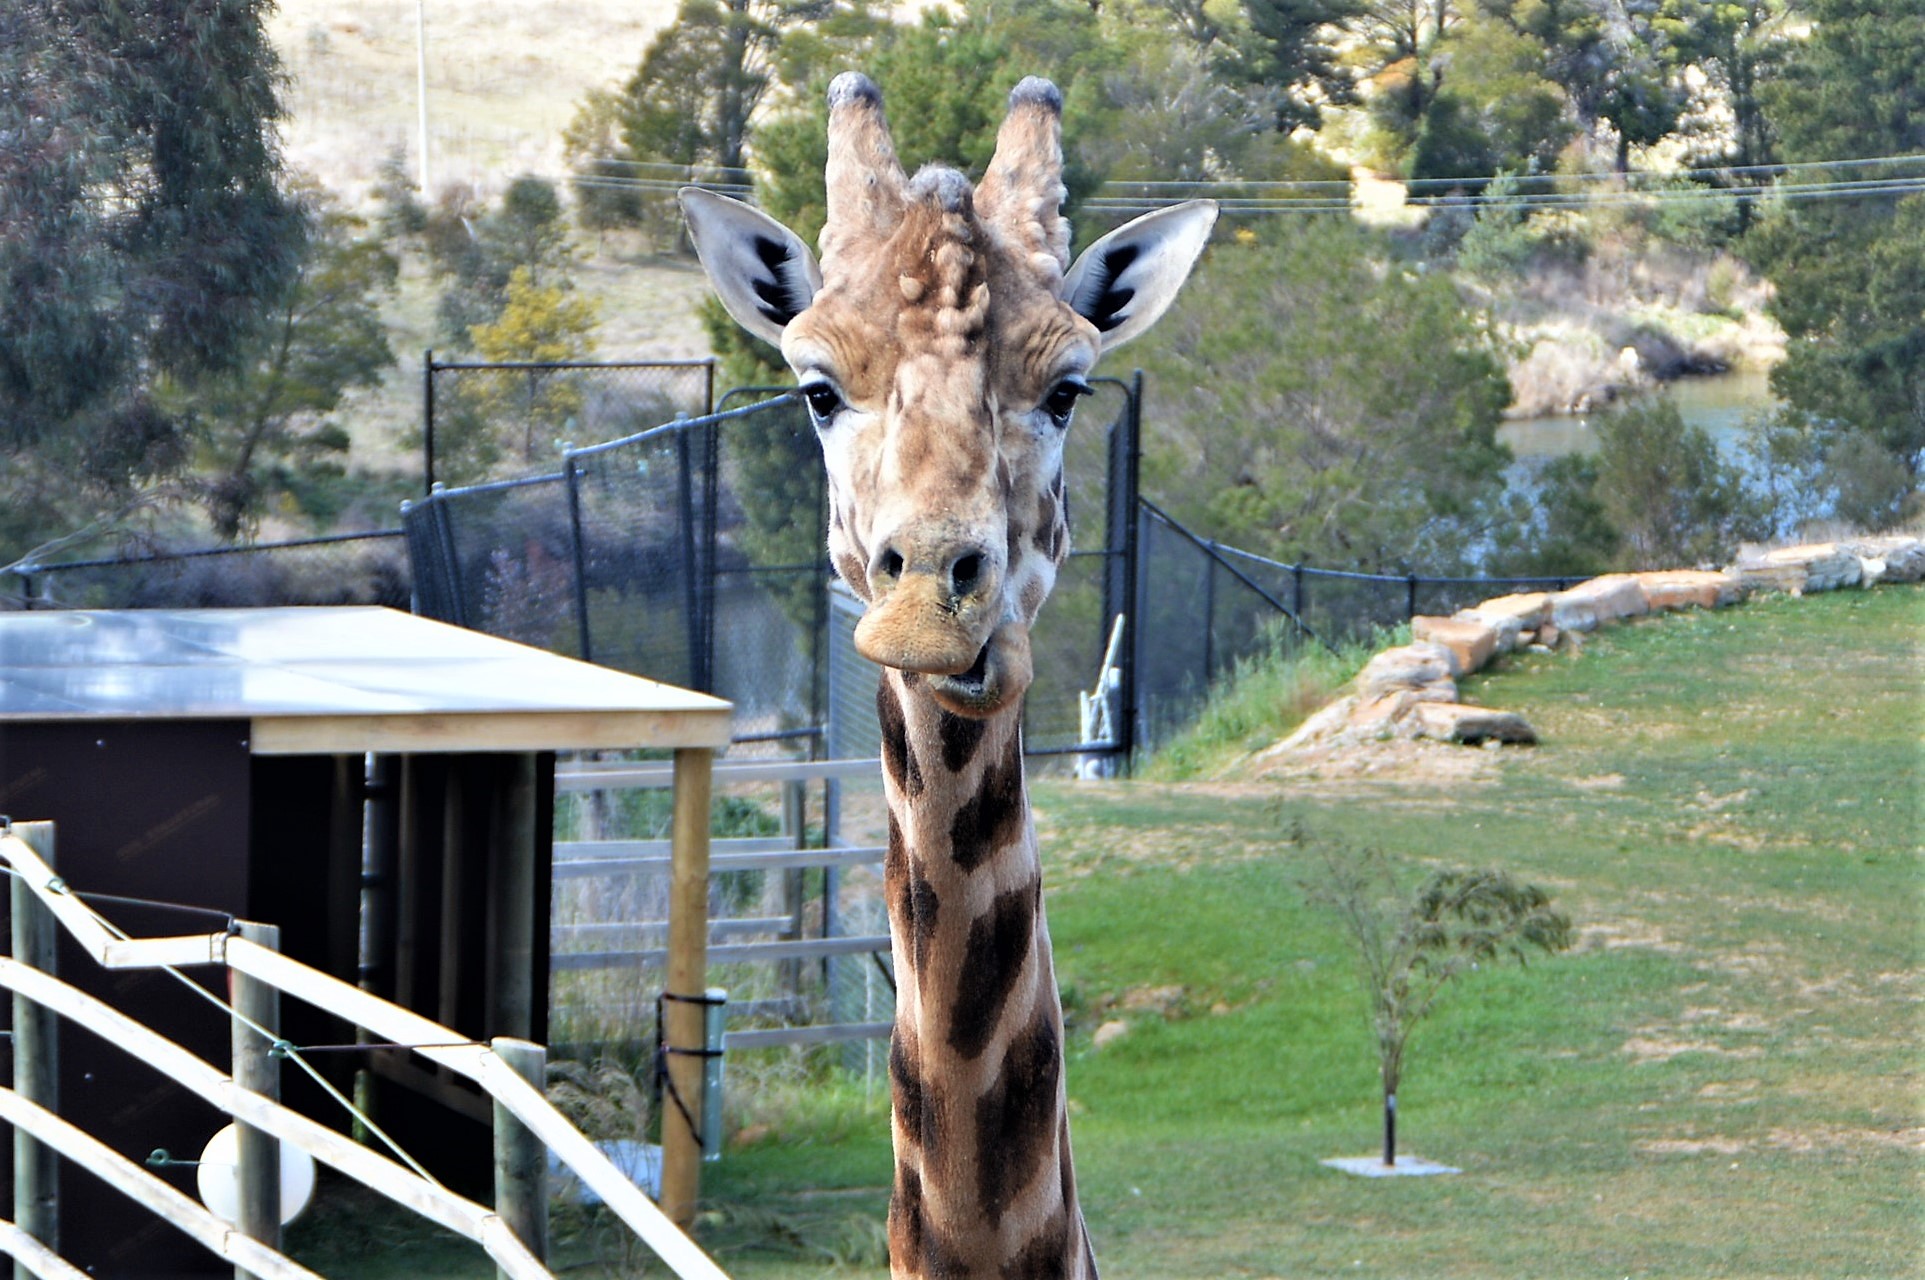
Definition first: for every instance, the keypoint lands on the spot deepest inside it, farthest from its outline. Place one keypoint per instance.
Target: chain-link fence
(693, 553)
(485, 421)
(1205, 608)
(357, 568)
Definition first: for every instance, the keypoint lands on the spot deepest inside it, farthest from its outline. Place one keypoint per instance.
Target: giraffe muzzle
(921, 624)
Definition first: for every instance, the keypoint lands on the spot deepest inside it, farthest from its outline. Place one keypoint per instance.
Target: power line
(1635, 175)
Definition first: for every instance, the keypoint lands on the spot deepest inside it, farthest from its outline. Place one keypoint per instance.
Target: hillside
(503, 80)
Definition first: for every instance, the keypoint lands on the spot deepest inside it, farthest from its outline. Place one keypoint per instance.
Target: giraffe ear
(761, 270)
(1124, 281)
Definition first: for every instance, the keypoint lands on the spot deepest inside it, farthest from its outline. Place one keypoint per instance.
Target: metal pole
(1209, 613)
(36, 1058)
(682, 1022)
(257, 1022)
(1133, 570)
(421, 85)
(1410, 597)
(521, 1158)
(714, 1019)
(571, 477)
(427, 420)
(1296, 593)
(1390, 1128)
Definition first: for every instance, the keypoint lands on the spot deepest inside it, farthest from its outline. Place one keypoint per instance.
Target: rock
(1547, 637)
(1109, 1032)
(1818, 566)
(1319, 726)
(1385, 717)
(1470, 643)
(1689, 588)
(1512, 616)
(1415, 668)
(1902, 555)
(1590, 605)
(1456, 722)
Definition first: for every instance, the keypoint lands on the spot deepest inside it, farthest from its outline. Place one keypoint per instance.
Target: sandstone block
(1689, 588)
(1470, 643)
(1323, 724)
(1512, 616)
(1825, 566)
(1590, 605)
(1455, 722)
(1420, 667)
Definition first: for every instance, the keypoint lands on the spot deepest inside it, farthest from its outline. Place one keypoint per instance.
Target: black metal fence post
(570, 477)
(1410, 597)
(1132, 589)
(427, 420)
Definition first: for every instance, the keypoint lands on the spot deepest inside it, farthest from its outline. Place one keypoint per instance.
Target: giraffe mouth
(995, 681)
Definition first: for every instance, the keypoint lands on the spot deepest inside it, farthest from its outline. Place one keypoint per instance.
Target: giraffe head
(941, 345)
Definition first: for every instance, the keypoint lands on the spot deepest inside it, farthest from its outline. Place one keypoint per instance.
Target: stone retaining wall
(1411, 691)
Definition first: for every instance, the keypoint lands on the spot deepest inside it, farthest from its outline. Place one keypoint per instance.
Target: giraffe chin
(995, 683)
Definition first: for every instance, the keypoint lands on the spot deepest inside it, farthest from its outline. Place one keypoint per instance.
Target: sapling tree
(1410, 947)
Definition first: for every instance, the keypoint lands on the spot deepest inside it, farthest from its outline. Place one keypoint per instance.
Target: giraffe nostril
(890, 564)
(965, 573)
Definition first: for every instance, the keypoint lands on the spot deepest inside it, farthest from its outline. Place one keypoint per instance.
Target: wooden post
(682, 1022)
(256, 1069)
(515, 927)
(521, 1158)
(36, 1060)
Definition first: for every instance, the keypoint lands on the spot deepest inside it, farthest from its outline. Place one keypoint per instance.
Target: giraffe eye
(824, 402)
(1061, 401)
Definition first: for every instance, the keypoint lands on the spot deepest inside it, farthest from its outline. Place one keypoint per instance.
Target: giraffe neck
(984, 1184)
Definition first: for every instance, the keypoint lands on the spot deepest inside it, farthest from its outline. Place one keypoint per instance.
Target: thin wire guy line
(285, 1050)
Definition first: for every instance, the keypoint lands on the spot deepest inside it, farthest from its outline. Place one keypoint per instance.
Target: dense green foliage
(1850, 274)
(1381, 453)
(144, 238)
(266, 427)
(153, 248)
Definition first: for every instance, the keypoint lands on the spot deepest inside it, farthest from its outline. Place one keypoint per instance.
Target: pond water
(1721, 405)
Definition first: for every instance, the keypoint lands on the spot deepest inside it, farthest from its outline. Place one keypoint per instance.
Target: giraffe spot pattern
(960, 737)
(915, 1247)
(922, 905)
(1016, 1117)
(907, 1096)
(999, 944)
(1046, 1256)
(992, 818)
(897, 758)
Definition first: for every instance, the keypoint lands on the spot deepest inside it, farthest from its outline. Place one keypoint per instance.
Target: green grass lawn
(1721, 1079)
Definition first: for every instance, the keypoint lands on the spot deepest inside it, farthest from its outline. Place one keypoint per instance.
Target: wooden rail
(516, 1096)
(594, 859)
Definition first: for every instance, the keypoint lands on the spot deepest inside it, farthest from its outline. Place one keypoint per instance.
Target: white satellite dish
(219, 1177)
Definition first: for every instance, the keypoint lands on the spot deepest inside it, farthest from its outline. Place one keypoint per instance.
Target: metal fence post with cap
(36, 1062)
(257, 1021)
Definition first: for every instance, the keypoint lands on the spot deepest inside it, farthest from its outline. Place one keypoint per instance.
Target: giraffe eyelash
(823, 399)
(1060, 403)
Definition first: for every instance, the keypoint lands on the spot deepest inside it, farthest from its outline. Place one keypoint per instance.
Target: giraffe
(941, 345)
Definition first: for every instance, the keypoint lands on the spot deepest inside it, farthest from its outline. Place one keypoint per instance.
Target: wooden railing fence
(524, 1119)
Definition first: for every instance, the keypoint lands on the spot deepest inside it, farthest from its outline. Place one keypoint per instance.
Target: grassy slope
(1722, 1080)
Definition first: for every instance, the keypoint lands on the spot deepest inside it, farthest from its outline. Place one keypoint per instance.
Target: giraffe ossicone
(941, 342)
